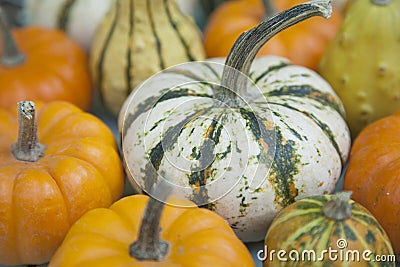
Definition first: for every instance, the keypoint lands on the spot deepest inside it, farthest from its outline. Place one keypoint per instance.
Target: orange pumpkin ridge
(132, 231)
(63, 163)
(42, 64)
(373, 173)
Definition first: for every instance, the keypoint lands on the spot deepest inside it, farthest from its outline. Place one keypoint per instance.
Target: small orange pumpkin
(128, 234)
(61, 165)
(373, 173)
(303, 44)
(49, 66)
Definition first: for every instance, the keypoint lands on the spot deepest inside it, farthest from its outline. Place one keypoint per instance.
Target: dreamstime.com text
(330, 254)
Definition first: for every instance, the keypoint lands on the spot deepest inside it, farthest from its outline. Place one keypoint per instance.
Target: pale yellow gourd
(362, 62)
(136, 39)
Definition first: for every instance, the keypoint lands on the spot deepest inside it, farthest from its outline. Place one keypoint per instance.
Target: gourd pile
(178, 133)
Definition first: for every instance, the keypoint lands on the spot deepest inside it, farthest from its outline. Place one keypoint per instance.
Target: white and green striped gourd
(243, 154)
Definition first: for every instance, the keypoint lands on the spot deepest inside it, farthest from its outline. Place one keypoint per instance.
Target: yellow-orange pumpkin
(50, 177)
(190, 236)
(42, 65)
(373, 173)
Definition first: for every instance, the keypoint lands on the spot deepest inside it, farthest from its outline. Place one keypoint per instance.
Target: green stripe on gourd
(63, 17)
(307, 91)
(109, 35)
(290, 151)
(155, 35)
(269, 71)
(325, 128)
(175, 25)
(129, 64)
(136, 39)
(326, 222)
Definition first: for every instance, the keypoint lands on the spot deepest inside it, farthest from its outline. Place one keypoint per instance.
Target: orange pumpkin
(49, 66)
(304, 43)
(373, 173)
(128, 234)
(52, 170)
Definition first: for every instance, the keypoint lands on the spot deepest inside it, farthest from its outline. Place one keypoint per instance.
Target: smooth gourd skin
(55, 68)
(312, 139)
(362, 62)
(78, 18)
(303, 44)
(303, 226)
(373, 173)
(197, 237)
(136, 39)
(39, 201)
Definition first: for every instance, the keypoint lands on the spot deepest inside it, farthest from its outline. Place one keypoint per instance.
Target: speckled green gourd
(362, 62)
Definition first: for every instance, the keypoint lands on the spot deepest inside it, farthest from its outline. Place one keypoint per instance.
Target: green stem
(149, 246)
(27, 147)
(11, 56)
(381, 2)
(248, 44)
(339, 207)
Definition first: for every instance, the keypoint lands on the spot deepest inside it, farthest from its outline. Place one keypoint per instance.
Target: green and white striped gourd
(78, 18)
(136, 39)
(244, 157)
(327, 230)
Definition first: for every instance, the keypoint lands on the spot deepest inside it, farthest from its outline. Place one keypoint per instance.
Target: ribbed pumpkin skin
(136, 39)
(196, 237)
(39, 201)
(303, 226)
(78, 18)
(55, 68)
(373, 173)
(312, 139)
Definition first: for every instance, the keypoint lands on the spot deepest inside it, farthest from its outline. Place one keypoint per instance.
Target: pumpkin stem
(149, 246)
(11, 55)
(339, 207)
(27, 147)
(381, 2)
(246, 47)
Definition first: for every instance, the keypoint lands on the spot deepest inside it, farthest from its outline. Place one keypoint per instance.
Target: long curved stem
(11, 55)
(248, 44)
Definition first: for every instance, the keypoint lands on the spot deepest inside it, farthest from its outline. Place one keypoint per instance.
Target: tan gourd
(135, 40)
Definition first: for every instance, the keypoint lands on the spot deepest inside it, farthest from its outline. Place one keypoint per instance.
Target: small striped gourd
(327, 230)
(78, 18)
(136, 39)
(248, 160)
